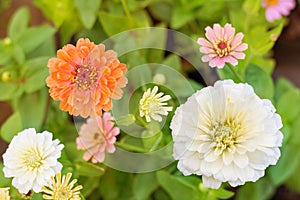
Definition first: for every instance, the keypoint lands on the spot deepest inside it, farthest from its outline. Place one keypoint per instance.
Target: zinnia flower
(96, 136)
(4, 194)
(222, 46)
(226, 133)
(152, 105)
(278, 8)
(61, 188)
(85, 78)
(31, 159)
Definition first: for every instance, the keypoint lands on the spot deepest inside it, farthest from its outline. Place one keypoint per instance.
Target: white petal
(210, 182)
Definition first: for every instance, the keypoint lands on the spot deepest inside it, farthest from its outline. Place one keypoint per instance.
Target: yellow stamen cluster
(86, 77)
(225, 134)
(271, 2)
(222, 48)
(61, 188)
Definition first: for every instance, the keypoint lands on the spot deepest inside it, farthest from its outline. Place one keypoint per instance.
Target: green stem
(130, 147)
(126, 10)
(237, 75)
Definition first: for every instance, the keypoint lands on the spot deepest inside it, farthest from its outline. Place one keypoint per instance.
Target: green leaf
(173, 61)
(19, 54)
(288, 105)
(33, 37)
(32, 108)
(11, 127)
(88, 169)
(4, 182)
(72, 152)
(221, 193)
(90, 184)
(251, 6)
(37, 196)
(181, 16)
(177, 189)
(10, 90)
(286, 165)
(113, 24)
(260, 80)
(116, 185)
(262, 190)
(88, 10)
(35, 72)
(262, 41)
(293, 181)
(56, 10)
(282, 86)
(18, 23)
(143, 185)
(294, 136)
(161, 11)
(152, 136)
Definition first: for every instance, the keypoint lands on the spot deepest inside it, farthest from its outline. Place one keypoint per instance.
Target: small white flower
(4, 194)
(226, 133)
(152, 105)
(31, 159)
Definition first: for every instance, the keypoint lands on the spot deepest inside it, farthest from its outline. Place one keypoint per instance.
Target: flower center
(86, 77)
(33, 160)
(271, 2)
(150, 105)
(63, 193)
(222, 48)
(225, 134)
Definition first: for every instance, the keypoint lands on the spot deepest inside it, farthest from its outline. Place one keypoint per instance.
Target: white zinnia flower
(153, 105)
(31, 159)
(226, 133)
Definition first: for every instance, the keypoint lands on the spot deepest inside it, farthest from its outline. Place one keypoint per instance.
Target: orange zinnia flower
(85, 77)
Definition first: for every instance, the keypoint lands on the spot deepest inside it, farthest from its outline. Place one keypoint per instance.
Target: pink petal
(206, 50)
(217, 62)
(210, 35)
(87, 156)
(238, 55)
(241, 47)
(204, 42)
(111, 148)
(206, 58)
(231, 60)
(115, 131)
(228, 31)
(272, 14)
(237, 40)
(218, 30)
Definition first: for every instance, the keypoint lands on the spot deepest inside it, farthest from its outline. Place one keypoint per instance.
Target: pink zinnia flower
(222, 46)
(278, 8)
(96, 136)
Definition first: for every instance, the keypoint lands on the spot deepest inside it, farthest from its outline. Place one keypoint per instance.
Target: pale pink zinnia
(97, 135)
(222, 46)
(278, 8)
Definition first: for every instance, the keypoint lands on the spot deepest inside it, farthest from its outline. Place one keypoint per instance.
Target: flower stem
(130, 147)
(237, 75)
(126, 10)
